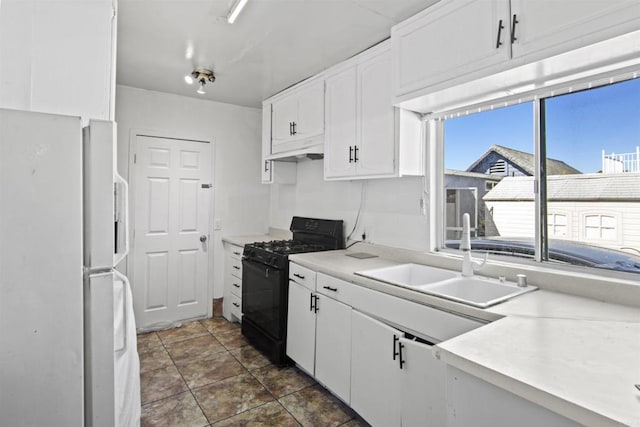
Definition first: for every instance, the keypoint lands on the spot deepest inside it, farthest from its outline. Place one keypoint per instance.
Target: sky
(579, 126)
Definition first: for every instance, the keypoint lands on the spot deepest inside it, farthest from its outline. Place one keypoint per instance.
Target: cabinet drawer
(236, 306)
(334, 288)
(235, 285)
(236, 251)
(302, 276)
(234, 266)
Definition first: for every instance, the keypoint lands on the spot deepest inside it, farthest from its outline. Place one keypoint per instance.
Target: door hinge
(135, 158)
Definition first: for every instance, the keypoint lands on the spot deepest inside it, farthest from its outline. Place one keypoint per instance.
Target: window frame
(436, 192)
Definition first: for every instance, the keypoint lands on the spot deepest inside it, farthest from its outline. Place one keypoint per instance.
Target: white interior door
(172, 201)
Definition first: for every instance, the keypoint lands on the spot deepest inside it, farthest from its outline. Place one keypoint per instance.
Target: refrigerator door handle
(125, 319)
(122, 205)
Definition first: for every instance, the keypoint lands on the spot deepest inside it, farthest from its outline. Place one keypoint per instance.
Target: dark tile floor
(205, 373)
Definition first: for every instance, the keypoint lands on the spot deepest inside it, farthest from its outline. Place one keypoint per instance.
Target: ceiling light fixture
(235, 10)
(202, 76)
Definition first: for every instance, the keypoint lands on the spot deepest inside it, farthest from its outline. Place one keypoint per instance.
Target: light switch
(217, 224)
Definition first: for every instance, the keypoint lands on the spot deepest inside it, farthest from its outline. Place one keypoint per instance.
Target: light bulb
(188, 79)
(201, 88)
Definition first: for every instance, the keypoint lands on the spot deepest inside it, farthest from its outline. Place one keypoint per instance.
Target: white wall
(241, 202)
(390, 214)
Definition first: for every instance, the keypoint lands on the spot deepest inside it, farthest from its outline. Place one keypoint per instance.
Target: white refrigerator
(68, 352)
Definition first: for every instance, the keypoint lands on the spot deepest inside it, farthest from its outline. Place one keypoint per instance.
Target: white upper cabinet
(284, 114)
(59, 57)
(272, 171)
(548, 27)
(365, 136)
(505, 45)
(310, 119)
(376, 153)
(341, 131)
(266, 171)
(297, 117)
(449, 40)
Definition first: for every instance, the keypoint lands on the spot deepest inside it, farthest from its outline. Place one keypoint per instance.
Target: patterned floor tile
(250, 357)
(160, 383)
(177, 411)
(231, 339)
(148, 342)
(219, 324)
(314, 406)
(200, 372)
(184, 332)
(269, 414)
(154, 358)
(282, 381)
(201, 347)
(231, 396)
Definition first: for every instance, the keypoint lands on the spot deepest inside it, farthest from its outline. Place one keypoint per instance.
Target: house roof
(585, 187)
(526, 161)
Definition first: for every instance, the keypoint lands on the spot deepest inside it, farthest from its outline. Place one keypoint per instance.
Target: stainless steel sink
(477, 291)
(408, 275)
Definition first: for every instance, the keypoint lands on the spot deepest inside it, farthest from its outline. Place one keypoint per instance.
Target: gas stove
(275, 252)
(265, 281)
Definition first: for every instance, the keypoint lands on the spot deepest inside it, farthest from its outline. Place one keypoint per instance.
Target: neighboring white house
(599, 209)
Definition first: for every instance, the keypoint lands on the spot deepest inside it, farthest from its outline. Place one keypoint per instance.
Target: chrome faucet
(468, 264)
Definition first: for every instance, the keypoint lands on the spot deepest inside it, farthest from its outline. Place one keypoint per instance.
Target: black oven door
(264, 297)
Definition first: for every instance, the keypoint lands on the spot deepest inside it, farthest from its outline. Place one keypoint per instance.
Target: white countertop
(274, 234)
(573, 355)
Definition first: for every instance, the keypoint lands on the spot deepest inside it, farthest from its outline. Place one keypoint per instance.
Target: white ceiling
(272, 45)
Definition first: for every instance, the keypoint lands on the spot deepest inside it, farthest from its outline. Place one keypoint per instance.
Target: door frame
(133, 134)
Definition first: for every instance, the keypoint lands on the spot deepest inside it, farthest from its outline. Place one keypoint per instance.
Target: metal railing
(622, 162)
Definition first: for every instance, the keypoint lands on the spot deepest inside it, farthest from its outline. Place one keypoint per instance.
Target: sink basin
(476, 291)
(409, 275)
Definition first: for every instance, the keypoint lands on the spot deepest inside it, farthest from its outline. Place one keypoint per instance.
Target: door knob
(203, 238)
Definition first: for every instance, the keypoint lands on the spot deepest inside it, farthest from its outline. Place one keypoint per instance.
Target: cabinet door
(283, 114)
(549, 27)
(310, 118)
(301, 327)
(375, 378)
(423, 383)
(333, 346)
(448, 40)
(266, 169)
(377, 148)
(340, 135)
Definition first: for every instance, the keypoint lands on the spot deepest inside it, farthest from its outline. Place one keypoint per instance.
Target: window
(600, 227)
(582, 163)
(557, 225)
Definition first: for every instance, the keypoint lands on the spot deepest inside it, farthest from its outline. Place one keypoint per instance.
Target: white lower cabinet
(422, 386)
(341, 334)
(333, 346)
(375, 381)
(474, 402)
(395, 380)
(319, 333)
(232, 302)
(301, 327)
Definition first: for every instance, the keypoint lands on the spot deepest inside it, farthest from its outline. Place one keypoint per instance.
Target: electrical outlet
(366, 234)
